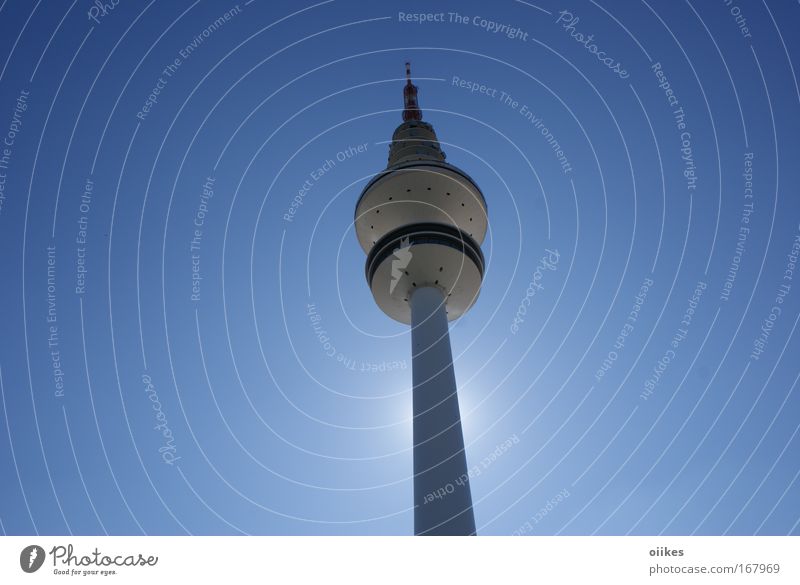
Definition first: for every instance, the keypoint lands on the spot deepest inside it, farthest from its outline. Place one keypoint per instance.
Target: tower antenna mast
(411, 110)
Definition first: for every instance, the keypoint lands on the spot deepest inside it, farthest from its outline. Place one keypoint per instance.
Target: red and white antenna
(411, 110)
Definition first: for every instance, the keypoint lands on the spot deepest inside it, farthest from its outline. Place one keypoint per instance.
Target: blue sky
(189, 342)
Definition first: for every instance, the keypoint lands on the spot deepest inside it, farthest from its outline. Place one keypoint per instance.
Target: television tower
(421, 222)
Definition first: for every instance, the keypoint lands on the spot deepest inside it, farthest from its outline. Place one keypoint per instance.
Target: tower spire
(411, 110)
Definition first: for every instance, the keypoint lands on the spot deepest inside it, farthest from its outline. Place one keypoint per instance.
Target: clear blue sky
(186, 350)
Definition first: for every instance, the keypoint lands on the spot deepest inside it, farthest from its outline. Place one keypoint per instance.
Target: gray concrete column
(443, 503)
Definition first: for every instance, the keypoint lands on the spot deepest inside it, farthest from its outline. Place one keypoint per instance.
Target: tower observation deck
(421, 222)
